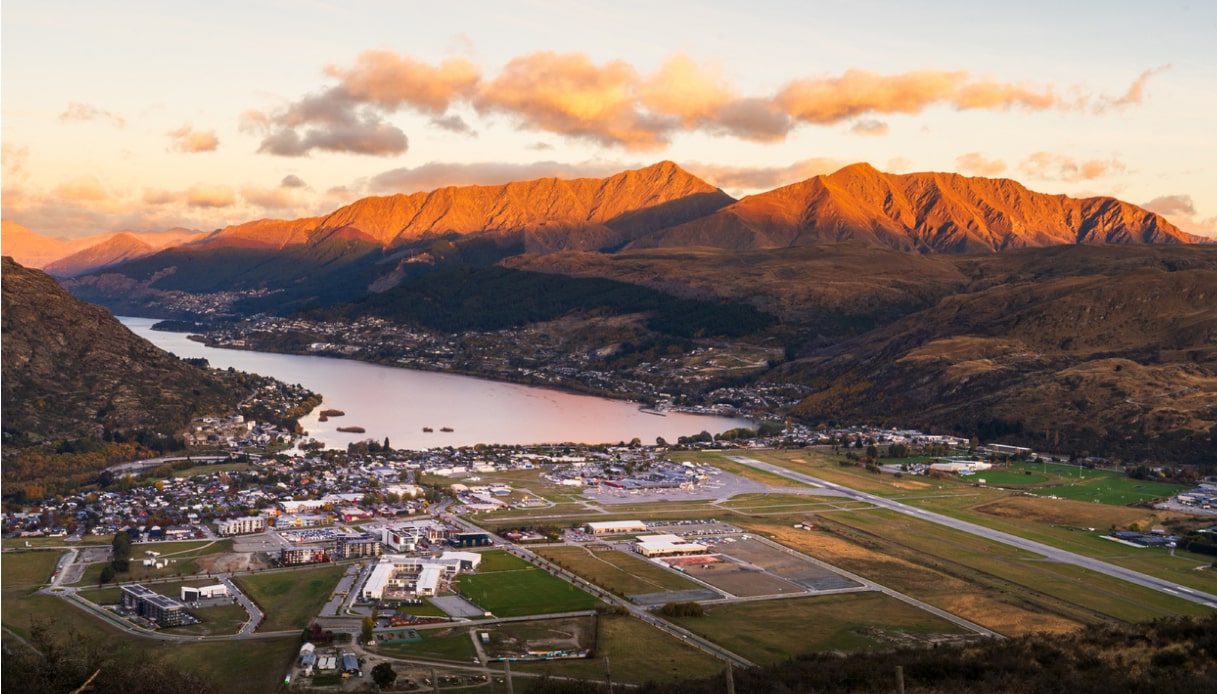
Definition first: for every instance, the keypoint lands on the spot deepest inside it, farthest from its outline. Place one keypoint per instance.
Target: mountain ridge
(664, 206)
(929, 212)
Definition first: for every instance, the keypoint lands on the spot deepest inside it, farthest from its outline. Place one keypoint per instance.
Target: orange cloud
(1048, 166)
(86, 189)
(270, 198)
(390, 80)
(857, 92)
(682, 88)
(614, 105)
(571, 96)
(187, 139)
(204, 195)
(154, 196)
(78, 111)
(1135, 93)
(974, 163)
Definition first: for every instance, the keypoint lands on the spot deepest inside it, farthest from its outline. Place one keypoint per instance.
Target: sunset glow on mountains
(134, 118)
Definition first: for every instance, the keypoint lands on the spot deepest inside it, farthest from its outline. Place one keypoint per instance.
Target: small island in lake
(326, 414)
(352, 430)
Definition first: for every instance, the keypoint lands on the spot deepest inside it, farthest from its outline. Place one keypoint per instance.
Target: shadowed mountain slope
(71, 370)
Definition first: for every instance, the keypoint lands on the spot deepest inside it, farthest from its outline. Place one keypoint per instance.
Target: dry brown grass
(1034, 509)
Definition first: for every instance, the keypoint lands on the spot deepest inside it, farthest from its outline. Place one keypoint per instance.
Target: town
(674, 377)
(499, 557)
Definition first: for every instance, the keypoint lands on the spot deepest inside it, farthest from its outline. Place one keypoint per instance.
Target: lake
(397, 403)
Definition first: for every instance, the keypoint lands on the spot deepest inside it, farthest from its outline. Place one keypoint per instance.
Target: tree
(367, 627)
(384, 675)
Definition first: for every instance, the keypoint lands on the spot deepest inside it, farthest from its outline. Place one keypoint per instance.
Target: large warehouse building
(667, 546)
(616, 527)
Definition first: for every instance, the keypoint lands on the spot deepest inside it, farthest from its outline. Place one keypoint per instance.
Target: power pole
(507, 675)
(434, 682)
(730, 678)
(608, 675)
(899, 679)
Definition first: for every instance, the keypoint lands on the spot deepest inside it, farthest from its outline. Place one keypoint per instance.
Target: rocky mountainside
(922, 212)
(71, 370)
(545, 214)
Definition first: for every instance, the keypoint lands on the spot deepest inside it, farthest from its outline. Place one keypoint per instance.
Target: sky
(144, 116)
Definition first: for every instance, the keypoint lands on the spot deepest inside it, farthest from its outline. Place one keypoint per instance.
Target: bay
(397, 403)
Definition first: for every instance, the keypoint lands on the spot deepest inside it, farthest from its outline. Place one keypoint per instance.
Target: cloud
(279, 198)
(363, 133)
(453, 123)
(1170, 205)
(1060, 167)
(569, 95)
(86, 189)
(613, 104)
(187, 139)
(439, 174)
(14, 158)
(390, 81)
(762, 178)
(78, 111)
(898, 165)
(292, 181)
(350, 117)
(869, 126)
(1181, 211)
(205, 195)
(974, 163)
(1135, 93)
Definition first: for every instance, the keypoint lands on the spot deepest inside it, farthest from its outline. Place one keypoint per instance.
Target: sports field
(516, 592)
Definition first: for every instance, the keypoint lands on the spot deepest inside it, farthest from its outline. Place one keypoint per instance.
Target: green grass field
(617, 572)
(524, 591)
(1110, 489)
(290, 599)
(498, 560)
(1007, 478)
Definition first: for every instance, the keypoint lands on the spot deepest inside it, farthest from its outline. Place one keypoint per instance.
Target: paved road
(1047, 551)
(255, 614)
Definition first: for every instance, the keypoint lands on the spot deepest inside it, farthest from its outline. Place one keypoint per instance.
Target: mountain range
(663, 206)
(932, 299)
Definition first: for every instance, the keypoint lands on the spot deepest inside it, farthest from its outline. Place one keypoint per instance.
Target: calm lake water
(398, 403)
